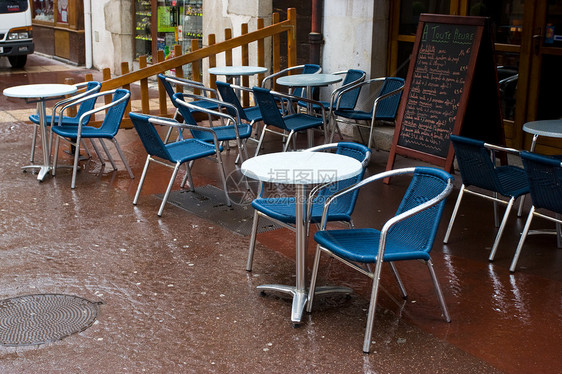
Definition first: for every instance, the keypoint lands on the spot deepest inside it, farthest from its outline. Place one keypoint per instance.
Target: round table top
(301, 167)
(308, 80)
(550, 127)
(237, 70)
(39, 91)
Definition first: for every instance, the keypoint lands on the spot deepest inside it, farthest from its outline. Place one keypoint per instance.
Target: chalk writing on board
(436, 87)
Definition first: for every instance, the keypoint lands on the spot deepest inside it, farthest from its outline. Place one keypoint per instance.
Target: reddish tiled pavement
(176, 297)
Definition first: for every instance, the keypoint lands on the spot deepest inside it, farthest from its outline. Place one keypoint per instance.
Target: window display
(43, 10)
(163, 24)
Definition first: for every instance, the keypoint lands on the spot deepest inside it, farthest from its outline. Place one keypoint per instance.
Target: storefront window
(43, 10)
(175, 22)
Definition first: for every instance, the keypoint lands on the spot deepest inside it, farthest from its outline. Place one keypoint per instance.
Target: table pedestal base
(301, 296)
(43, 170)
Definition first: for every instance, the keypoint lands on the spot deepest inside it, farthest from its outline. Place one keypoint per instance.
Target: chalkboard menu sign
(448, 54)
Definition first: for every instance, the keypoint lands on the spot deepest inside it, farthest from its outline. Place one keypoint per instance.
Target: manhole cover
(44, 318)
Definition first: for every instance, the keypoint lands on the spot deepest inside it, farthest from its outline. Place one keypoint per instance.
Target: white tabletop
(237, 70)
(308, 80)
(39, 91)
(551, 128)
(301, 167)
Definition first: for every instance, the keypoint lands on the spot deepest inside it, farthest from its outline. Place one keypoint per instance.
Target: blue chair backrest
(346, 203)
(418, 231)
(115, 114)
(167, 85)
(88, 104)
(149, 137)
(475, 163)
(307, 69)
(228, 95)
(184, 111)
(349, 99)
(268, 108)
(387, 108)
(545, 180)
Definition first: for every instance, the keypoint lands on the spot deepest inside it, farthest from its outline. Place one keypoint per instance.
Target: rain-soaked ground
(176, 298)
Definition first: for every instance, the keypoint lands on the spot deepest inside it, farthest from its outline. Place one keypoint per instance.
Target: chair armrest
(71, 99)
(95, 110)
(172, 123)
(220, 103)
(356, 85)
(193, 85)
(376, 177)
(279, 73)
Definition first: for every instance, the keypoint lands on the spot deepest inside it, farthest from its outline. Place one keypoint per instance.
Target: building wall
(112, 34)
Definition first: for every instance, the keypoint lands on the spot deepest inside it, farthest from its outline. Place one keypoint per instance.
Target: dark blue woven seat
(544, 174)
(474, 158)
(107, 130)
(409, 235)
(173, 154)
(278, 124)
(87, 88)
(384, 107)
(283, 209)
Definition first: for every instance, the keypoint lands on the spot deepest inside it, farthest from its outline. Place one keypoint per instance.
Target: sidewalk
(176, 297)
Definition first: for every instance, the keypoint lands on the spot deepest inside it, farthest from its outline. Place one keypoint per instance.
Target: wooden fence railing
(196, 57)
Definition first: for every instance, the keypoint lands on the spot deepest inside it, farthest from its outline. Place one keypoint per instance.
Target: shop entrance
(528, 44)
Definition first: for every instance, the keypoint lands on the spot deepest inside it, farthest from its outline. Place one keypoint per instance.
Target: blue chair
(227, 94)
(107, 130)
(544, 174)
(168, 82)
(479, 172)
(173, 155)
(233, 129)
(348, 99)
(282, 210)
(87, 88)
(288, 125)
(384, 107)
(409, 235)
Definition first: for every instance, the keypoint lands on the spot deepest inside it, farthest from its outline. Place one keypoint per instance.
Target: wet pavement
(176, 297)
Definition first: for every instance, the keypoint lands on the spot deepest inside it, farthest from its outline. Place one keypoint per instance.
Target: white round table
(308, 81)
(300, 169)
(551, 128)
(40, 93)
(237, 71)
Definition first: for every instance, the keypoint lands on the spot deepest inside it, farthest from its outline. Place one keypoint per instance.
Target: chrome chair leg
(141, 181)
(168, 189)
(122, 155)
(399, 280)
(454, 215)
(438, 291)
(252, 241)
(500, 230)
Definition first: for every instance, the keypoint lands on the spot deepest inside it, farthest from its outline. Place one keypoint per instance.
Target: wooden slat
(228, 53)
(145, 98)
(261, 51)
(125, 70)
(162, 95)
(276, 46)
(196, 66)
(245, 62)
(212, 61)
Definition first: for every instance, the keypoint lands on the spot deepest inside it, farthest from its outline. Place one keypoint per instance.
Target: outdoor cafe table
(40, 93)
(308, 81)
(551, 128)
(300, 169)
